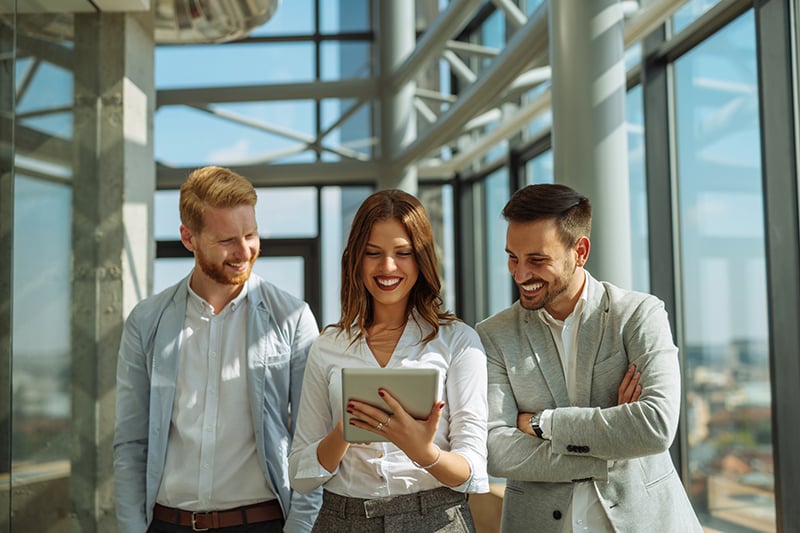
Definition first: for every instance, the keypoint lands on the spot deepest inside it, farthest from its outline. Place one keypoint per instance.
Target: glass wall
(40, 85)
(725, 341)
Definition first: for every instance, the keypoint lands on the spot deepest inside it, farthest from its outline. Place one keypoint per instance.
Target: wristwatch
(535, 425)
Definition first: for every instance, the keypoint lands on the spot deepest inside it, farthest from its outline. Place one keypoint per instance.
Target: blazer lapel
(166, 356)
(543, 348)
(257, 323)
(590, 338)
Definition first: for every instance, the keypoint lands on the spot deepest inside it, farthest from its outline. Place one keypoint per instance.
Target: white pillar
(396, 39)
(590, 145)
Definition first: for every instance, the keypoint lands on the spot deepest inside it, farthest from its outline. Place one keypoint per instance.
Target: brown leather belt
(202, 521)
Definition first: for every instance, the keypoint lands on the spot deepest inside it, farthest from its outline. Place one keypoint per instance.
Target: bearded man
(584, 385)
(208, 373)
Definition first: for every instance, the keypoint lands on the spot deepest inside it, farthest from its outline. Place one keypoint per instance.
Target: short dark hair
(571, 210)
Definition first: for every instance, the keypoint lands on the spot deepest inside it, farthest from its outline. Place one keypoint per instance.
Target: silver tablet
(417, 389)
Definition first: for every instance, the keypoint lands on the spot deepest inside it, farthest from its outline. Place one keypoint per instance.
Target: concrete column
(396, 40)
(114, 181)
(590, 145)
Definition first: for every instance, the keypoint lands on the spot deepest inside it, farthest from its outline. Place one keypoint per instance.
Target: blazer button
(570, 448)
(585, 449)
(557, 514)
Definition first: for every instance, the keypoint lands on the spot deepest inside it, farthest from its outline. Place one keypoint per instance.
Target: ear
(187, 238)
(582, 251)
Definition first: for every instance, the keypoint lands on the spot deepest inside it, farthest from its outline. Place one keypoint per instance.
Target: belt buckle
(194, 522)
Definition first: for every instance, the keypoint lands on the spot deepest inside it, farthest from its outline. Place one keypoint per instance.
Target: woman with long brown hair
(392, 317)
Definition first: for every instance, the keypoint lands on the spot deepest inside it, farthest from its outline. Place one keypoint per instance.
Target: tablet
(417, 389)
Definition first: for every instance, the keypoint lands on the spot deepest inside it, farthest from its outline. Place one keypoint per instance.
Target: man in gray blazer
(584, 385)
(208, 374)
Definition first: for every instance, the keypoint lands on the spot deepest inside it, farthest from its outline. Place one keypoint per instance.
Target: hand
(524, 423)
(413, 437)
(629, 389)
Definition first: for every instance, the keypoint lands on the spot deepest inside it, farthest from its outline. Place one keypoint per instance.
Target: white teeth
(388, 282)
(532, 286)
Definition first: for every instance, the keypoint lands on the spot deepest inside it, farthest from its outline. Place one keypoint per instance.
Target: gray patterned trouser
(436, 511)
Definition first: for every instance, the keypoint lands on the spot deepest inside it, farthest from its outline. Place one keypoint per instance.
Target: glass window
(725, 337)
(221, 65)
(340, 16)
(285, 272)
(690, 12)
(539, 169)
(438, 202)
(345, 59)
(289, 212)
(640, 247)
(295, 17)
(339, 206)
(498, 281)
(280, 131)
(41, 327)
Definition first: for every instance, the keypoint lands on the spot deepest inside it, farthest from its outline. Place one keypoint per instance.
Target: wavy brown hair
(425, 298)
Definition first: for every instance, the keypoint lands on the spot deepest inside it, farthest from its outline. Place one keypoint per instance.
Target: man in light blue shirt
(208, 373)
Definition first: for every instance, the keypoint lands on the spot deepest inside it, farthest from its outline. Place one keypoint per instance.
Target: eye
(405, 254)
(370, 253)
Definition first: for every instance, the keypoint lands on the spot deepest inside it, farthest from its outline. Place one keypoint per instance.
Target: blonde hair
(214, 187)
(357, 306)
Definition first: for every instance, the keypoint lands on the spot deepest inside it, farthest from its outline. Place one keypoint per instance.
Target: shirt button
(380, 455)
(557, 515)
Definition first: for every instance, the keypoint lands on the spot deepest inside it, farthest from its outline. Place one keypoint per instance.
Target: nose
(388, 264)
(518, 272)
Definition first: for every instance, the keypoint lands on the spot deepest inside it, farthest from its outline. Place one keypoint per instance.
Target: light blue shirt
(280, 330)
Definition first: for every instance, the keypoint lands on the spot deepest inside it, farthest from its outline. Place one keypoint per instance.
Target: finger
(395, 406)
(623, 393)
(435, 414)
(637, 393)
(366, 412)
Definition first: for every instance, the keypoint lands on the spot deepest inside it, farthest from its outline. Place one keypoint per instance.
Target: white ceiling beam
(357, 89)
(514, 14)
(446, 26)
(526, 44)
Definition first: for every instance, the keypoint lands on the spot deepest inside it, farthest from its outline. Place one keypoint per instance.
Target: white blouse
(381, 469)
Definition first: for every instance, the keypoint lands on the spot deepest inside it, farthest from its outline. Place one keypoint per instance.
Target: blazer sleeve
(304, 507)
(635, 429)
(512, 453)
(131, 430)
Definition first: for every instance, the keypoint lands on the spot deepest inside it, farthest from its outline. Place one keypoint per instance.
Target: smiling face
(226, 248)
(389, 268)
(548, 273)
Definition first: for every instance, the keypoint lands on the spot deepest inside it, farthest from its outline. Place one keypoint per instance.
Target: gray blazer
(622, 448)
(280, 330)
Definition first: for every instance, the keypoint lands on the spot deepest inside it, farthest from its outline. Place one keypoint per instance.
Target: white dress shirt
(211, 461)
(380, 469)
(586, 513)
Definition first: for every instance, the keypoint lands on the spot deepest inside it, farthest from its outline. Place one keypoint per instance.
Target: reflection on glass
(41, 326)
(438, 202)
(496, 194)
(725, 339)
(339, 206)
(634, 112)
(690, 12)
(539, 169)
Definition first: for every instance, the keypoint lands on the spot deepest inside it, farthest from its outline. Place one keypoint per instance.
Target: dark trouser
(439, 510)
